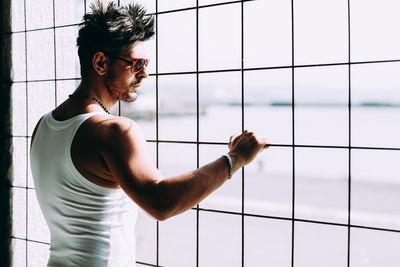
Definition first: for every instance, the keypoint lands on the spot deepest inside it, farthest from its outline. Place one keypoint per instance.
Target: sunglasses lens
(139, 64)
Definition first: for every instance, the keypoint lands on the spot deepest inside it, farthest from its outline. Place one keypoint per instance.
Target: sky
(321, 36)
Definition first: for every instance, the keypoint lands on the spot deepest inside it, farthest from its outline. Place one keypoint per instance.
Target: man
(91, 169)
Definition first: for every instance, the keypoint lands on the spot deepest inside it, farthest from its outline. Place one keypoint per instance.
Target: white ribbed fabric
(90, 225)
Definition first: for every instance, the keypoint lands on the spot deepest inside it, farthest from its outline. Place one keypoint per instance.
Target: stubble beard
(126, 97)
(116, 94)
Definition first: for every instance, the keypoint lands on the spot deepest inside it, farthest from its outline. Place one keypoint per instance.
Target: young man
(91, 169)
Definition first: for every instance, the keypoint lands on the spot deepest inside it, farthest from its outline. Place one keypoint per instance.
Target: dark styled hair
(111, 28)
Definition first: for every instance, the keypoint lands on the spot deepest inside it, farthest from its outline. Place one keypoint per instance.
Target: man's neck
(95, 88)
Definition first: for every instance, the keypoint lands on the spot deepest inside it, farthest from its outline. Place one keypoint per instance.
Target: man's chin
(130, 97)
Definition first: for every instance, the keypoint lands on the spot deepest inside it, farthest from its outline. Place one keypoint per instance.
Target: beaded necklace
(93, 98)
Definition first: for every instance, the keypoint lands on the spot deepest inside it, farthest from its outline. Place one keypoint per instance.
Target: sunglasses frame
(146, 61)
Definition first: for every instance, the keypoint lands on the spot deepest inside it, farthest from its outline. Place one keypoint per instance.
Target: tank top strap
(76, 120)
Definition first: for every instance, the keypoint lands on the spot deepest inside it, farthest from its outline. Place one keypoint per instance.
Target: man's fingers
(262, 142)
(266, 143)
(233, 137)
(247, 138)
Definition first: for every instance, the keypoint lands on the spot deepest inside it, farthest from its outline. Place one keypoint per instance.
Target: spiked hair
(110, 28)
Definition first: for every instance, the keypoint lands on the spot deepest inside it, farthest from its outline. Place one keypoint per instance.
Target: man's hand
(244, 147)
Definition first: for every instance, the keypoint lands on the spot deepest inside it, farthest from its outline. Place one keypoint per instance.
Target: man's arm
(123, 147)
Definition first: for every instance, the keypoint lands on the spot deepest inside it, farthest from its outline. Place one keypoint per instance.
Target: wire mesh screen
(319, 78)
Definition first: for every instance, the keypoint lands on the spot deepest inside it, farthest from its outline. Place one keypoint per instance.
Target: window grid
(293, 137)
(157, 144)
(157, 141)
(349, 165)
(242, 106)
(197, 129)
(27, 133)
(233, 70)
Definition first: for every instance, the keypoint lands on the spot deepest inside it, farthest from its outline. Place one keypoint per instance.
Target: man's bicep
(124, 150)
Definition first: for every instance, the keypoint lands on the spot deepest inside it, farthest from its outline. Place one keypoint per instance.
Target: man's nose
(142, 73)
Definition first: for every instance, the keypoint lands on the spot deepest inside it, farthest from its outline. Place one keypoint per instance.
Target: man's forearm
(182, 192)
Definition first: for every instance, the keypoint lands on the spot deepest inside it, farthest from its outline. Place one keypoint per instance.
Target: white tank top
(90, 225)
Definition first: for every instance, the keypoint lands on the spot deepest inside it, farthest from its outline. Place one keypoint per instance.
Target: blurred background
(319, 79)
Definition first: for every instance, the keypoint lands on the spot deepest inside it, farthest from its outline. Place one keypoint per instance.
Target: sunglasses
(136, 65)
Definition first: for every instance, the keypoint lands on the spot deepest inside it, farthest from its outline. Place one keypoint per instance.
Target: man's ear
(100, 63)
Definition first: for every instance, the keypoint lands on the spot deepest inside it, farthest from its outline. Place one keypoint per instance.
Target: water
(320, 126)
(321, 187)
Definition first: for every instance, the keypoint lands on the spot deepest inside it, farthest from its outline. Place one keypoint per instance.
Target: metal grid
(242, 70)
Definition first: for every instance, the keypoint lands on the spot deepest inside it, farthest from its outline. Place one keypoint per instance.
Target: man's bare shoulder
(113, 128)
(112, 123)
